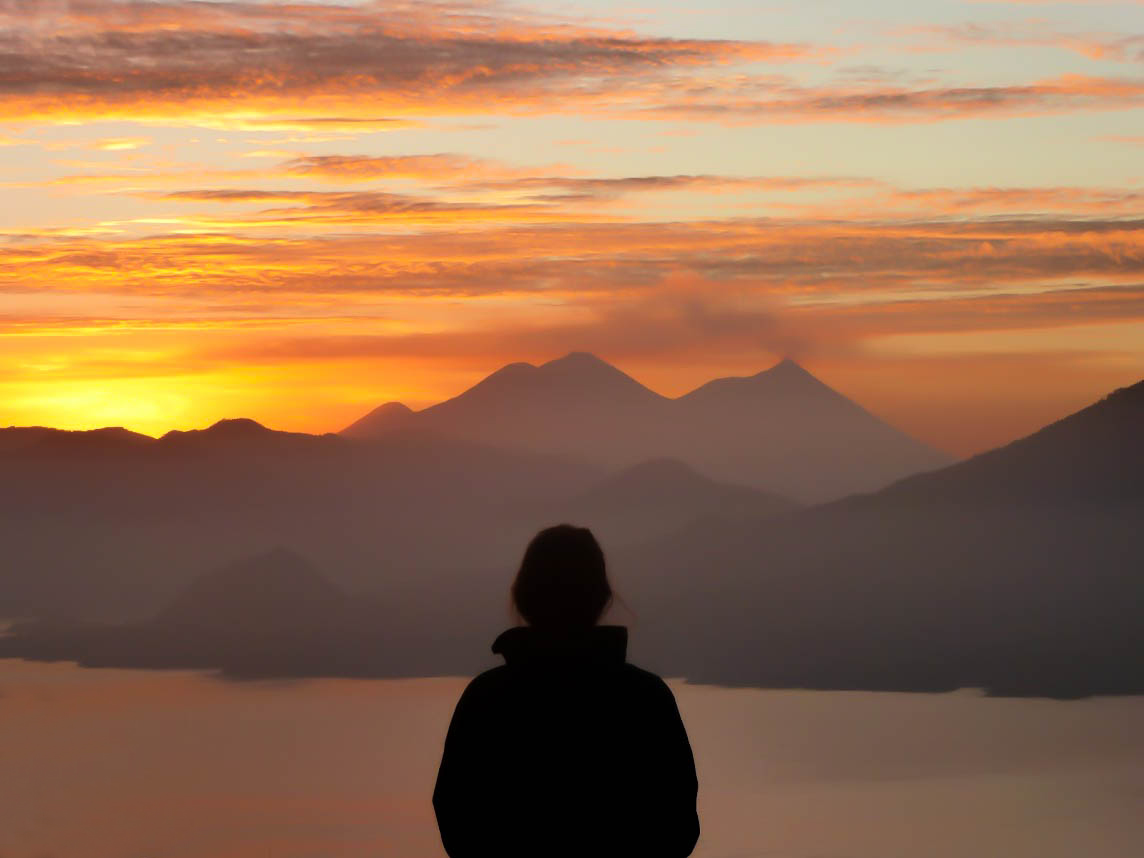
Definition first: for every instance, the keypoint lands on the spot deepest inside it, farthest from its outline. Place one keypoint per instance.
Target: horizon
(237, 418)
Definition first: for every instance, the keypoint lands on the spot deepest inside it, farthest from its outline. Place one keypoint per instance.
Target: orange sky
(294, 212)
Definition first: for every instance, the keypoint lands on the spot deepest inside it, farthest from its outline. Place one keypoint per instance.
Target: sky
(296, 211)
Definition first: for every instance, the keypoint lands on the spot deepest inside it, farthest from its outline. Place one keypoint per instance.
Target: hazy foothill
(764, 531)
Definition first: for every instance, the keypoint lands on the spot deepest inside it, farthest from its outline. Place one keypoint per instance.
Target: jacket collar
(597, 644)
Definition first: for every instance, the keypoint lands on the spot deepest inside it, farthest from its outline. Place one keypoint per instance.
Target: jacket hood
(604, 644)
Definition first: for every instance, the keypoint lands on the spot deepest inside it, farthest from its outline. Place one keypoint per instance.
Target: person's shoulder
(649, 683)
(482, 691)
(489, 680)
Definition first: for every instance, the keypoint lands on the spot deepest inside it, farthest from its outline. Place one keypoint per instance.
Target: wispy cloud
(1047, 203)
(844, 260)
(788, 103)
(1036, 33)
(383, 65)
(353, 207)
(437, 167)
(171, 59)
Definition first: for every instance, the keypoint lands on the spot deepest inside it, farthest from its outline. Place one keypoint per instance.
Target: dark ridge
(386, 418)
(669, 476)
(277, 588)
(1097, 452)
(42, 439)
(237, 427)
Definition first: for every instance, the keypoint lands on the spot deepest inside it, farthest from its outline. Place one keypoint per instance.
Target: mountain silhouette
(267, 615)
(383, 420)
(780, 430)
(39, 439)
(1017, 571)
(1095, 454)
(274, 591)
(784, 429)
(115, 532)
(657, 497)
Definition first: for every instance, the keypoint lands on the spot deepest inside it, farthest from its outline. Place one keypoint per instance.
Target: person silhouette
(566, 749)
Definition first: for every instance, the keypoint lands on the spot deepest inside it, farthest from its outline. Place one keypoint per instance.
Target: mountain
(112, 532)
(1094, 455)
(276, 592)
(102, 527)
(784, 429)
(38, 438)
(267, 615)
(270, 615)
(575, 405)
(780, 430)
(1018, 571)
(657, 497)
(387, 418)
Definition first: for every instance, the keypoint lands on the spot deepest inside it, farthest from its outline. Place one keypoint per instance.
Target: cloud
(585, 188)
(1097, 46)
(360, 207)
(783, 260)
(459, 173)
(1062, 94)
(381, 65)
(251, 61)
(539, 197)
(1048, 203)
(677, 319)
(437, 167)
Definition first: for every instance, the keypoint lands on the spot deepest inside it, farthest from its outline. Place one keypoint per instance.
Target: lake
(138, 764)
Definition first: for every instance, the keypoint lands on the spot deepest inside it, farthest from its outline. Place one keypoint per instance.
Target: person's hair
(562, 584)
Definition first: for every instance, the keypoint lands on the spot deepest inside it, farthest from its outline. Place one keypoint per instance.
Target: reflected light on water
(119, 764)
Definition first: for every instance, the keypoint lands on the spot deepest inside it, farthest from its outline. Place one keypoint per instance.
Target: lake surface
(136, 764)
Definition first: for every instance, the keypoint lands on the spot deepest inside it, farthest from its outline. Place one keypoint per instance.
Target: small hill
(657, 497)
(38, 439)
(267, 615)
(276, 591)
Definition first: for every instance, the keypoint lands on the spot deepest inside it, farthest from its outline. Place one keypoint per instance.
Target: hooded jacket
(566, 750)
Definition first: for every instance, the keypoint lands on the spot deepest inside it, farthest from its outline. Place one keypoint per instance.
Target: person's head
(562, 584)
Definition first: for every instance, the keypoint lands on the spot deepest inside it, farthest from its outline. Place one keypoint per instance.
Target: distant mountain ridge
(1018, 571)
(108, 524)
(780, 430)
(659, 496)
(1096, 453)
(270, 614)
